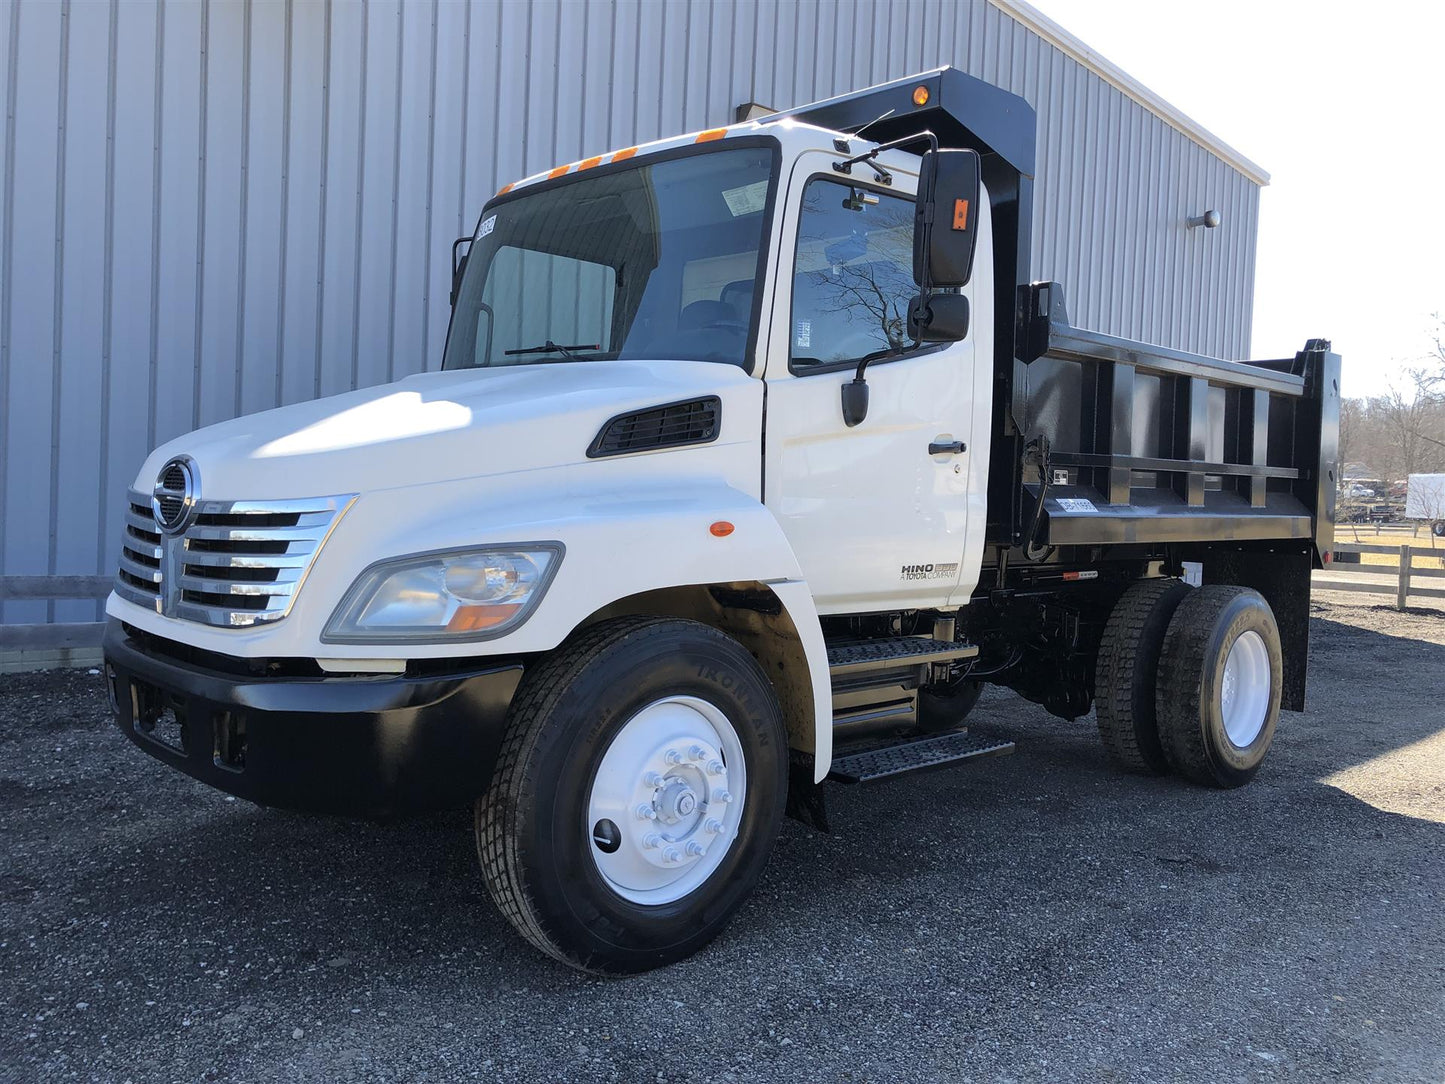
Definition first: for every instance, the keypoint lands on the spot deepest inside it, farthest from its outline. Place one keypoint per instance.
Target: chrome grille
(170, 494)
(239, 563)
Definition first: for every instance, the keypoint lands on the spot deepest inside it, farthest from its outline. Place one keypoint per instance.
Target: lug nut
(696, 849)
(714, 826)
(673, 757)
(697, 752)
(652, 779)
(652, 841)
(671, 855)
(724, 796)
(646, 813)
(716, 768)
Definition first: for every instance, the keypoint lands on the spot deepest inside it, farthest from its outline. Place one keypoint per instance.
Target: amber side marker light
(721, 529)
(710, 135)
(920, 95)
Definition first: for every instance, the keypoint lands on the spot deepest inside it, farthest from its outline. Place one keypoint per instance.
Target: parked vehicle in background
(756, 452)
(1425, 499)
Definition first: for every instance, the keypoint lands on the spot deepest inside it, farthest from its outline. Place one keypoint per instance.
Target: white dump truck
(753, 455)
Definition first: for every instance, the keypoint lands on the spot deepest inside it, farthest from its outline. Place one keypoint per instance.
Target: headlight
(471, 594)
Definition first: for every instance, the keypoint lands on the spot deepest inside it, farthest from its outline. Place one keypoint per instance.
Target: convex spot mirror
(938, 318)
(945, 228)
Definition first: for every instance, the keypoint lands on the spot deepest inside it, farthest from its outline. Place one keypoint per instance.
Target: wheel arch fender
(706, 550)
(778, 623)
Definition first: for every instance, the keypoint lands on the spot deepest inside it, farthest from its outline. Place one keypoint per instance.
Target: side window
(544, 296)
(852, 275)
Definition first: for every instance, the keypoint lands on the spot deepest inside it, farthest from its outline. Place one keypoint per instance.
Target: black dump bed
(1134, 443)
(1125, 443)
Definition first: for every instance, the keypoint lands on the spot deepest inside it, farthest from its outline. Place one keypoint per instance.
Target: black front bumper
(361, 746)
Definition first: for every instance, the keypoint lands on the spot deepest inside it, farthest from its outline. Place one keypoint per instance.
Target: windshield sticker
(804, 337)
(747, 200)
(1076, 504)
(488, 226)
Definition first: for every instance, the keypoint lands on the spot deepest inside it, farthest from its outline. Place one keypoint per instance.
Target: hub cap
(673, 784)
(1244, 693)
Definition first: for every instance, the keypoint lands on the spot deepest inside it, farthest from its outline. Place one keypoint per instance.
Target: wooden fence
(1412, 563)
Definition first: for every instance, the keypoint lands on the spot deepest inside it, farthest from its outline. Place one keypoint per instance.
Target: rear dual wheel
(1189, 680)
(1220, 678)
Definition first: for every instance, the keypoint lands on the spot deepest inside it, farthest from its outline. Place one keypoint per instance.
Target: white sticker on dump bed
(1076, 504)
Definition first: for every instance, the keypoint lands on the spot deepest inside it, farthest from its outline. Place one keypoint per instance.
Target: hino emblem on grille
(177, 488)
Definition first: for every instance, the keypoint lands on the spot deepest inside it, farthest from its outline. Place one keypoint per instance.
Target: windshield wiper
(549, 347)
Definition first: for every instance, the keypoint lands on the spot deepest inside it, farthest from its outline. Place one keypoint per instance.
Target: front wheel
(639, 789)
(1438, 528)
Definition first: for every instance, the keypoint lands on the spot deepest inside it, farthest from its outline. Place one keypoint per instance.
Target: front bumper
(360, 746)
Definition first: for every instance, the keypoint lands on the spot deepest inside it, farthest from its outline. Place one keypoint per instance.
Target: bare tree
(1430, 378)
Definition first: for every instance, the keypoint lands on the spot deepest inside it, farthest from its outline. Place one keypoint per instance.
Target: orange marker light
(558, 172)
(478, 618)
(710, 135)
(624, 154)
(721, 529)
(588, 163)
(506, 188)
(920, 95)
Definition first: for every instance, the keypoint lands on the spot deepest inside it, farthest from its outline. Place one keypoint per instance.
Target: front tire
(1220, 678)
(1438, 528)
(630, 717)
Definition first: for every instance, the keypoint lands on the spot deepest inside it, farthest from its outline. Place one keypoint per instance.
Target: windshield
(659, 261)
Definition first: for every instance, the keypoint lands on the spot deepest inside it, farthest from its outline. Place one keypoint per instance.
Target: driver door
(878, 520)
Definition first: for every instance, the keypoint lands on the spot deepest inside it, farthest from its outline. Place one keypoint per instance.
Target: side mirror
(945, 226)
(938, 318)
(459, 265)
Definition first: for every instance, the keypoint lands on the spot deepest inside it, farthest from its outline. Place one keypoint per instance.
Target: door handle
(952, 447)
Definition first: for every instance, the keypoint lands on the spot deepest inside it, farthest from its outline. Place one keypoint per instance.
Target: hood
(438, 427)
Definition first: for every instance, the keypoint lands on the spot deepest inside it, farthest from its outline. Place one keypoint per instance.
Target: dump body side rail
(1147, 444)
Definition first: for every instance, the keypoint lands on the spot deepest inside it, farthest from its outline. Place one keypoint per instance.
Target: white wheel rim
(1245, 691)
(673, 784)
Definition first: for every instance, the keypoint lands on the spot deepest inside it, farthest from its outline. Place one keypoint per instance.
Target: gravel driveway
(1036, 917)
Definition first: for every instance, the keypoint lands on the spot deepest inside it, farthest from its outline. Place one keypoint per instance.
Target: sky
(1341, 103)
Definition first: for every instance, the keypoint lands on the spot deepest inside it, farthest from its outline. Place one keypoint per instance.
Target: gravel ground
(1036, 917)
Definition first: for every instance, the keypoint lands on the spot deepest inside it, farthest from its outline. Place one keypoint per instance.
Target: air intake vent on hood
(694, 421)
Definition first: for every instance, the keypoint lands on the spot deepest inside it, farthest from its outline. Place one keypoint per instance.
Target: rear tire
(945, 707)
(1126, 673)
(1220, 679)
(1438, 528)
(628, 716)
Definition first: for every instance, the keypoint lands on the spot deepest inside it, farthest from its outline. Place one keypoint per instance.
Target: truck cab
(752, 455)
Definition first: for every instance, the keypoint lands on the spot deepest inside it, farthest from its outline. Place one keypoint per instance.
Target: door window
(852, 276)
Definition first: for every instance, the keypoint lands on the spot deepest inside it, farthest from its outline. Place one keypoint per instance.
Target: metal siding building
(209, 207)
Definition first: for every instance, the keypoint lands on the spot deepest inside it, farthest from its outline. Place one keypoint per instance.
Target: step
(915, 755)
(892, 652)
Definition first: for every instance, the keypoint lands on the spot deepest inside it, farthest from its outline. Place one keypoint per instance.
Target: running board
(875, 682)
(920, 755)
(868, 657)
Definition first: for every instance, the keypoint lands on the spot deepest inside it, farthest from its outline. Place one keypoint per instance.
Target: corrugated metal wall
(213, 206)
